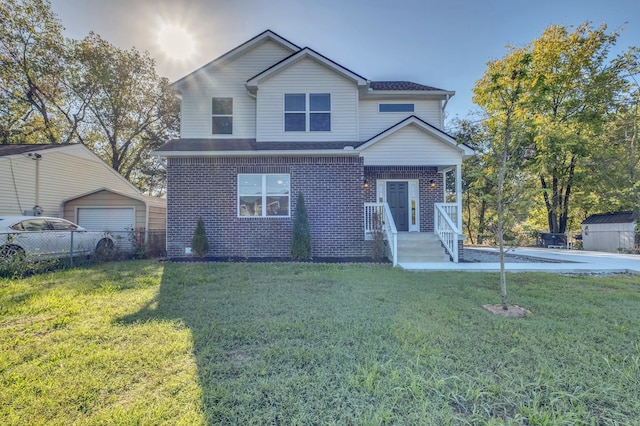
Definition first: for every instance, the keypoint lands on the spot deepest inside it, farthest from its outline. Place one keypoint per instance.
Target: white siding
(410, 146)
(227, 80)
(373, 122)
(307, 76)
(64, 173)
(608, 237)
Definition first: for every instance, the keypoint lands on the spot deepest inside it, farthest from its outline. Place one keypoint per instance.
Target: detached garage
(128, 217)
(609, 232)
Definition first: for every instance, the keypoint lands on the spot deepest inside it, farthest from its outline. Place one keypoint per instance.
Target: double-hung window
(222, 116)
(263, 195)
(307, 112)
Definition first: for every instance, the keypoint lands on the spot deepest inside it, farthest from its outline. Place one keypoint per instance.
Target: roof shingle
(400, 86)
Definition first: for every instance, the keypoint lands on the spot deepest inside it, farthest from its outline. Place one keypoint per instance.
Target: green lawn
(146, 343)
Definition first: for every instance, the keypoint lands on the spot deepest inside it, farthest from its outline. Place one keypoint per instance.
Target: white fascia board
(408, 94)
(274, 153)
(305, 53)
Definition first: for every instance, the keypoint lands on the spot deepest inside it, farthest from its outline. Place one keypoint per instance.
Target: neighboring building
(72, 182)
(609, 232)
(269, 119)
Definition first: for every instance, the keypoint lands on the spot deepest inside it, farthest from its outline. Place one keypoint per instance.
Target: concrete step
(420, 247)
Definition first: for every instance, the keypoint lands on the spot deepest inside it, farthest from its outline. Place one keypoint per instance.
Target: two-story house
(269, 119)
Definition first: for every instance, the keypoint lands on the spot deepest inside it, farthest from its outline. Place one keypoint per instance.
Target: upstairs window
(396, 107)
(307, 112)
(222, 116)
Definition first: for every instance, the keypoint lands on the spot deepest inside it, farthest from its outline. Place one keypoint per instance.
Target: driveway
(552, 260)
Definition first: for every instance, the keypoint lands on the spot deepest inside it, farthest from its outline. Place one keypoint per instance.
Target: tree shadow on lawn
(267, 352)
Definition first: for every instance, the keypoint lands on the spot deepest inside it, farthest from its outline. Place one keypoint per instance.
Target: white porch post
(459, 195)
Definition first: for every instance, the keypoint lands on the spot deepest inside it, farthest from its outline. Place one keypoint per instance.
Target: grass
(145, 343)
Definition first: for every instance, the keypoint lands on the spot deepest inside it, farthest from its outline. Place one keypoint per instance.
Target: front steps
(420, 247)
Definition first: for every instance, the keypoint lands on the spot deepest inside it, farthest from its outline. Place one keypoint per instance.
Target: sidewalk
(571, 261)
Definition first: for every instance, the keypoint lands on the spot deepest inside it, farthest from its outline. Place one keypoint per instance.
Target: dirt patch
(240, 357)
(513, 311)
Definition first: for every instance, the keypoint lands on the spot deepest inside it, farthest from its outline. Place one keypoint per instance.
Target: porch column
(459, 195)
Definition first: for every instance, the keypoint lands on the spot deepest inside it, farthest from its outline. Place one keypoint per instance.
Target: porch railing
(379, 213)
(445, 219)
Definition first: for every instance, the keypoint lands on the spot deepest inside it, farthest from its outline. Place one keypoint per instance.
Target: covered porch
(413, 185)
(417, 209)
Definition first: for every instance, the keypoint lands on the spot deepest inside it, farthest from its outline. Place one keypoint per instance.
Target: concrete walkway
(571, 261)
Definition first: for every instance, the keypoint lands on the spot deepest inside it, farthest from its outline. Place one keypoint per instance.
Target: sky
(445, 43)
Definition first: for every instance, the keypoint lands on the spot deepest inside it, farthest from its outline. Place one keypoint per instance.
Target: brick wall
(207, 187)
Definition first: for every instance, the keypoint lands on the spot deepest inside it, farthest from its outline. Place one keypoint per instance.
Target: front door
(398, 200)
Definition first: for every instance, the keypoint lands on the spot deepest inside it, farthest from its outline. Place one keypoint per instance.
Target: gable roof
(7, 150)
(301, 54)
(236, 51)
(15, 149)
(146, 199)
(426, 127)
(618, 217)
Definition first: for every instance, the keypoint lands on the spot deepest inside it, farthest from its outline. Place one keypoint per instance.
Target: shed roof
(617, 217)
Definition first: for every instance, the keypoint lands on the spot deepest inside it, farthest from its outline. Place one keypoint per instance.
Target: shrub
(301, 237)
(199, 242)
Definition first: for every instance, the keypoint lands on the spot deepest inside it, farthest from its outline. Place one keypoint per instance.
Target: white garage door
(119, 222)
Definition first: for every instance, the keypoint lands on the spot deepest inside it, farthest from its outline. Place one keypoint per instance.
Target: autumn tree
(570, 90)
(132, 110)
(57, 90)
(33, 66)
(477, 185)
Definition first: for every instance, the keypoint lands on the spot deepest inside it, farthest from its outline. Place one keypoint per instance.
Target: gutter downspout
(446, 101)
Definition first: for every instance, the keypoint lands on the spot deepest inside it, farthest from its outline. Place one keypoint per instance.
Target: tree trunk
(469, 231)
(481, 223)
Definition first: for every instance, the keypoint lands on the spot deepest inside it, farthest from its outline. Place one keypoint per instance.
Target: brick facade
(207, 187)
(333, 191)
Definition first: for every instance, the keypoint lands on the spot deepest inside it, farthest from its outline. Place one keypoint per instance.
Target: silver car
(40, 238)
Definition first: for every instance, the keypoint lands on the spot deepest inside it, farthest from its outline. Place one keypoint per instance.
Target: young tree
(301, 235)
(500, 92)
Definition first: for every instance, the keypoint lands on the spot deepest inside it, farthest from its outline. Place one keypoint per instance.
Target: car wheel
(11, 253)
(105, 248)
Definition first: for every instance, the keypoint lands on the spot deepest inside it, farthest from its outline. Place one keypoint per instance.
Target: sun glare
(176, 42)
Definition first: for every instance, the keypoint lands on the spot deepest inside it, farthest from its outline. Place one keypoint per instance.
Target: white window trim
(307, 112)
(264, 196)
(222, 115)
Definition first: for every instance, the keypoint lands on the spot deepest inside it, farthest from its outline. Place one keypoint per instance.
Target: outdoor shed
(610, 232)
(119, 213)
